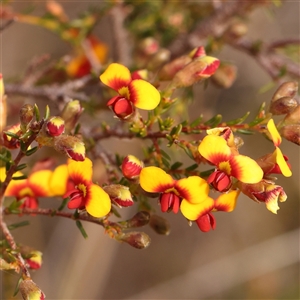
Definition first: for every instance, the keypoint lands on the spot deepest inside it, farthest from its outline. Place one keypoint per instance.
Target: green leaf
(165, 154)
(165, 162)
(245, 131)
(266, 87)
(19, 177)
(4, 158)
(81, 229)
(17, 287)
(192, 167)
(31, 151)
(176, 165)
(214, 121)
(17, 225)
(36, 112)
(239, 120)
(63, 203)
(197, 121)
(11, 134)
(256, 122)
(77, 128)
(205, 174)
(47, 113)
(21, 167)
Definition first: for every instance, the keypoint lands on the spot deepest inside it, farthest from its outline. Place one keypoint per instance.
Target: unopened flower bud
(291, 133)
(34, 259)
(119, 194)
(11, 142)
(55, 126)
(237, 29)
(139, 240)
(140, 219)
(72, 146)
(197, 52)
(71, 114)
(283, 106)
(159, 58)
(287, 89)
(160, 225)
(225, 75)
(140, 74)
(149, 46)
(169, 70)
(200, 68)
(293, 118)
(26, 116)
(30, 291)
(132, 167)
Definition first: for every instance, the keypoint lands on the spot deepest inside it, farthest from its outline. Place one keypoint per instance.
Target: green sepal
(17, 287)
(63, 204)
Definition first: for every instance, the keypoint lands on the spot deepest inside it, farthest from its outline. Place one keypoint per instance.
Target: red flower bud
(55, 126)
(30, 291)
(72, 146)
(139, 240)
(119, 194)
(131, 167)
(34, 260)
(11, 142)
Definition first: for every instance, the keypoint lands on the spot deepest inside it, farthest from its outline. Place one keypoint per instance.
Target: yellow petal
(97, 202)
(284, 168)
(116, 76)
(215, 149)
(194, 211)
(143, 94)
(274, 132)
(246, 169)
(40, 183)
(58, 180)
(155, 180)
(2, 174)
(80, 171)
(227, 202)
(193, 189)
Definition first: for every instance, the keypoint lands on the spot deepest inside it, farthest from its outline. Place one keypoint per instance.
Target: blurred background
(252, 254)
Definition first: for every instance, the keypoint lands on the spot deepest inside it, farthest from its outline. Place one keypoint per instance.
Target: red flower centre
(206, 222)
(220, 181)
(76, 199)
(169, 201)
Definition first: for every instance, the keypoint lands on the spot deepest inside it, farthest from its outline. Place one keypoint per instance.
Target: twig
(53, 92)
(120, 35)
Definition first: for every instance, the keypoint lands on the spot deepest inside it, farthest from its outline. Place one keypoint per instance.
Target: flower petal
(155, 180)
(97, 201)
(59, 180)
(215, 149)
(16, 186)
(194, 211)
(143, 94)
(80, 171)
(284, 168)
(39, 183)
(245, 169)
(227, 202)
(193, 189)
(116, 76)
(274, 133)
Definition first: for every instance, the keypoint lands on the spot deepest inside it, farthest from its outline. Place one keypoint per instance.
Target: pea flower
(229, 163)
(175, 194)
(265, 191)
(204, 219)
(275, 162)
(30, 189)
(131, 92)
(86, 194)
